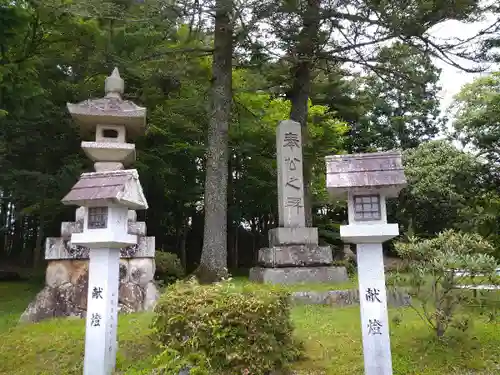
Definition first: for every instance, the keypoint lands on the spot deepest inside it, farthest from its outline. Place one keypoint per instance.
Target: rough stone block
(58, 272)
(79, 271)
(293, 236)
(131, 296)
(294, 275)
(295, 255)
(124, 271)
(151, 295)
(142, 270)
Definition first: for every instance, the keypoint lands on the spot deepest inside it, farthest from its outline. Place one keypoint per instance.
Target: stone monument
(366, 181)
(113, 121)
(293, 255)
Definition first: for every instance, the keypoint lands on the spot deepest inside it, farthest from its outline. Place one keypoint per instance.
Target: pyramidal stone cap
(109, 110)
(97, 189)
(114, 86)
(379, 170)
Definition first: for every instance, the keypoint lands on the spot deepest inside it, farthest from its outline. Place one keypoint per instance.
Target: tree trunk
(301, 88)
(183, 243)
(37, 252)
(213, 264)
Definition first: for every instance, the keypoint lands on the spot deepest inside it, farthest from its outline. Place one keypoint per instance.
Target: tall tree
(443, 184)
(213, 264)
(325, 34)
(477, 117)
(400, 100)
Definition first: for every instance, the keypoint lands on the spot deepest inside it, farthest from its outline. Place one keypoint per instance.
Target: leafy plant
(168, 267)
(433, 278)
(224, 329)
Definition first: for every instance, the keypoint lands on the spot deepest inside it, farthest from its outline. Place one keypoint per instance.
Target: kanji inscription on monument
(290, 175)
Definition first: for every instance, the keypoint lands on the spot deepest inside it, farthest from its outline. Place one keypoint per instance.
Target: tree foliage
(53, 52)
(433, 278)
(477, 120)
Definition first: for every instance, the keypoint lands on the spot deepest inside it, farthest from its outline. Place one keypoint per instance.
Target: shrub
(168, 267)
(221, 329)
(433, 279)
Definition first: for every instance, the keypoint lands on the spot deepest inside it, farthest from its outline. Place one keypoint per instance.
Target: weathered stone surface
(290, 177)
(79, 271)
(293, 236)
(293, 275)
(124, 271)
(44, 306)
(151, 295)
(142, 270)
(58, 272)
(68, 228)
(103, 166)
(79, 294)
(60, 248)
(341, 298)
(295, 255)
(137, 227)
(376, 170)
(131, 296)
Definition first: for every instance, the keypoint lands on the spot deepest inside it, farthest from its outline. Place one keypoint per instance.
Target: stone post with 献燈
(106, 198)
(366, 181)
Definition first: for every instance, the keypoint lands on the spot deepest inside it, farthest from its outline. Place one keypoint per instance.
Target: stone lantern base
(66, 278)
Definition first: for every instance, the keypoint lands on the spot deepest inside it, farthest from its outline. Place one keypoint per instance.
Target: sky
(452, 79)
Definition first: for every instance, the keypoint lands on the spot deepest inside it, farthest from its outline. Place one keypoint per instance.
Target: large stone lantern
(108, 126)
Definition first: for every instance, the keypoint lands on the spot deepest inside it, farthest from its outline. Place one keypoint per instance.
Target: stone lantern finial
(114, 85)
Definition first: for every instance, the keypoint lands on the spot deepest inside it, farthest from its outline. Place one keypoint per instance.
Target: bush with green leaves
(224, 329)
(168, 267)
(434, 282)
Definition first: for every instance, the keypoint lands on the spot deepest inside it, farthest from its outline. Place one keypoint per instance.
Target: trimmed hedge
(221, 329)
(168, 267)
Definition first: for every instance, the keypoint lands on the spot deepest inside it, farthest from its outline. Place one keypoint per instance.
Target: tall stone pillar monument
(294, 254)
(113, 122)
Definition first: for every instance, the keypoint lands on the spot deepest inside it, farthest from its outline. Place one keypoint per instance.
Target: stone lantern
(106, 217)
(366, 181)
(106, 198)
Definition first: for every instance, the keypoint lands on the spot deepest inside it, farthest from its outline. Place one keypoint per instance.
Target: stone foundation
(294, 275)
(294, 256)
(66, 277)
(65, 292)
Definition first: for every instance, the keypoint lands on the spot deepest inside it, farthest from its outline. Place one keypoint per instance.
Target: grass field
(332, 338)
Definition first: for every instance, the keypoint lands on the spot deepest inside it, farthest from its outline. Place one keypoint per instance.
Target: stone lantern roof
(106, 188)
(379, 170)
(110, 110)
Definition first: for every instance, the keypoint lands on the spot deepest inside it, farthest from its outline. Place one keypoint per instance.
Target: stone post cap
(114, 84)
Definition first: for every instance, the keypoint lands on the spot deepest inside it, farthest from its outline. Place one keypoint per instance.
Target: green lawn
(332, 338)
